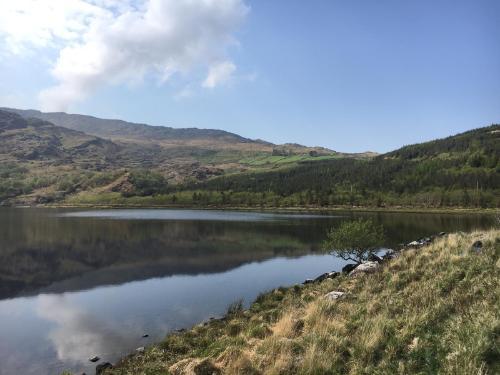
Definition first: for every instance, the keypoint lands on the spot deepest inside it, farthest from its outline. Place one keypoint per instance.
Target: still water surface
(75, 283)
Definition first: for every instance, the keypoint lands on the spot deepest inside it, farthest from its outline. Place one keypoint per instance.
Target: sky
(351, 75)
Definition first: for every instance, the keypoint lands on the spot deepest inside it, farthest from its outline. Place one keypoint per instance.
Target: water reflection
(57, 251)
(77, 334)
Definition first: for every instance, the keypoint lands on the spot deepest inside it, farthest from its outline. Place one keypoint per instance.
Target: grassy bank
(431, 310)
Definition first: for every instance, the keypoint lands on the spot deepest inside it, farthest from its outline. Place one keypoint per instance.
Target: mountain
(122, 130)
(208, 139)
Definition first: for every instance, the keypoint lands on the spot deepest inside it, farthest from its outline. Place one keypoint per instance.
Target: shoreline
(316, 209)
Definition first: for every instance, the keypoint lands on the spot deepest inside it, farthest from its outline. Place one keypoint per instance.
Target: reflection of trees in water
(38, 248)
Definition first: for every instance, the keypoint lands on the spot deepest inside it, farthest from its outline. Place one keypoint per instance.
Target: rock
(414, 244)
(140, 349)
(426, 240)
(348, 267)
(333, 296)
(333, 275)
(375, 258)
(94, 359)
(99, 369)
(478, 245)
(390, 254)
(321, 277)
(366, 267)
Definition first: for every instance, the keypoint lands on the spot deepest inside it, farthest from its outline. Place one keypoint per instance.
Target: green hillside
(461, 170)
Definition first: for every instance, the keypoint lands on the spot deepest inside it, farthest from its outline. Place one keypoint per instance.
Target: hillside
(427, 311)
(204, 139)
(118, 129)
(44, 162)
(138, 164)
(461, 170)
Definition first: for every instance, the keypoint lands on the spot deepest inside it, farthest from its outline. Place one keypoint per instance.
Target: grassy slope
(433, 310)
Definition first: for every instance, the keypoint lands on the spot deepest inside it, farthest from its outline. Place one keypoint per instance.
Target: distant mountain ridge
(120, 129)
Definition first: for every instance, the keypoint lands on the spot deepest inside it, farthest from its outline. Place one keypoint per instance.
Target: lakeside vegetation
(429, 310)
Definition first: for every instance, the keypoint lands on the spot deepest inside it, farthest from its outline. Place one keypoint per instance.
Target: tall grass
(433, 310)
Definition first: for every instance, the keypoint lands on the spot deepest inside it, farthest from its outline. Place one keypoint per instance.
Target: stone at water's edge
(366, 267)
(349, 267)
(99, 369)
(375, 258)
(327, 275)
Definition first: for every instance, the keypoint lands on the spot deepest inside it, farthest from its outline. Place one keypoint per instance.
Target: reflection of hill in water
(40, 250)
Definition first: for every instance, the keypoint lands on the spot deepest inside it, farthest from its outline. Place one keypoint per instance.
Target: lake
(79, 283)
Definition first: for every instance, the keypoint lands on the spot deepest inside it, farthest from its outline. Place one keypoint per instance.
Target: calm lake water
(74, 284)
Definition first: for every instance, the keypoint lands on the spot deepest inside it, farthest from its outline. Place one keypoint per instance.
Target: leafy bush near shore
(433, 310)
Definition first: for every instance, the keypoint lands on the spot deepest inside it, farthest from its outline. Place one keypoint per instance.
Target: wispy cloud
(219, 73)
(103, 42)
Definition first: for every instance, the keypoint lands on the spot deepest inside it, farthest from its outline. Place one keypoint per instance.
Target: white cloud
(103, 42)
(77, 334)
(218, 73)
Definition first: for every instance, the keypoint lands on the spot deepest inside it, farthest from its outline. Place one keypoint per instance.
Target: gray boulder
(327, 275)
(366, 267)
(333, 296)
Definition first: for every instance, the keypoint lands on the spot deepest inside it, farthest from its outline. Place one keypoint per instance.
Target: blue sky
(348, 75)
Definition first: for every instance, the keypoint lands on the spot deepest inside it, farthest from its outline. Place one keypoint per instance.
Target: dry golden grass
(433, 310)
